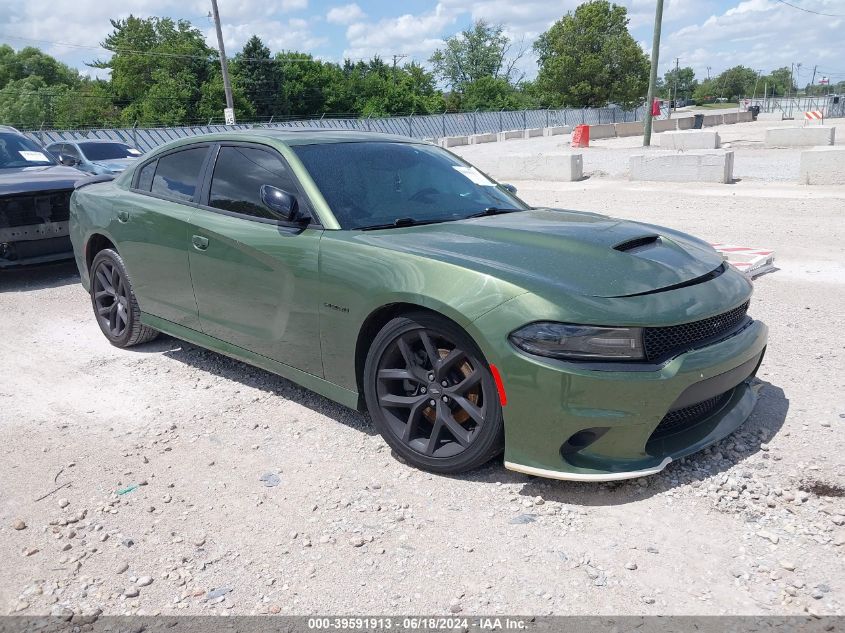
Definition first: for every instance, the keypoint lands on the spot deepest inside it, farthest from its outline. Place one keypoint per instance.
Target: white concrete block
(475, 139)
(809, 136)
(453, 141)
(689, 139)
(823, 166)
(532, 132)
(685, 122)
(556, 130)
(607, 130)
(629, 129)
(664, 125)
(713, 119)
(770, 116)
(730, 117)
(744, 117)
(555, 166)
(509, 134)
(691, 166)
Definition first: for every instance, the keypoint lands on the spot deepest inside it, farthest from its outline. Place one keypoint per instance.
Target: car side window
(238, 176)
(177, 174)
(70, 150)
(145, 176)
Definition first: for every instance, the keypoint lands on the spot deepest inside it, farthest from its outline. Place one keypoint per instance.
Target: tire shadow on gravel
(40, 277)
(255, 377)
(762, 425)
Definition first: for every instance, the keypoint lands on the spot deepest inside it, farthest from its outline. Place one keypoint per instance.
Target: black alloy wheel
(432, 395)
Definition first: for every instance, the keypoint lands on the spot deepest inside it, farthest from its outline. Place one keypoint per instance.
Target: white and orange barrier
(749, 260)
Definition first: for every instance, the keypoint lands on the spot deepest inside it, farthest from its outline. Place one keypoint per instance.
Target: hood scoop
(637, 244)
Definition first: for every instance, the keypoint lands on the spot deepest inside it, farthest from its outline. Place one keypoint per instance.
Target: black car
(34, 202)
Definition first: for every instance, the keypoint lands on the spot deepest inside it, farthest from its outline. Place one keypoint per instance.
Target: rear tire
(431, 395)
(115, 306)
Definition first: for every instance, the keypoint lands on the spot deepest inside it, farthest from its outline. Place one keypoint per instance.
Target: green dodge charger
(391, 276)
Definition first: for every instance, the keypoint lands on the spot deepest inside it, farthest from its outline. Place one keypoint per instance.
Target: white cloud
(414, 35)
(345, 14)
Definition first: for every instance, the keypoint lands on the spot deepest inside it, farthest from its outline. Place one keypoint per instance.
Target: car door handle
(200, 243)
(123, 217)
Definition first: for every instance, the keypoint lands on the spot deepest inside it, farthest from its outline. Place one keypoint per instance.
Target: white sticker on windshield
(133, 151)
(474, 175)
(34, 157)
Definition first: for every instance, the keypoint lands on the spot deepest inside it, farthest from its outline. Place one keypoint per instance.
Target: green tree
(778, 82)
(589, 59)
(490, 93)
(157, 69)
(260, 79)
(680, 83)
(31, 62)
(89, 105)
(735, 83)
(483, 50)
(29, 103)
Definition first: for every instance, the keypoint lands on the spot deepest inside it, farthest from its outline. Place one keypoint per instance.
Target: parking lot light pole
(652, 80)
(224, 66)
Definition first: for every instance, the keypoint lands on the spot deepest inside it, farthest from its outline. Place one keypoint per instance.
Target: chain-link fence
(832, 106)
(427, 126)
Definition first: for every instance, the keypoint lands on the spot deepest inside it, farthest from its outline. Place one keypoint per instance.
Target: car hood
(546, 249)
(115, 164)
(17, 180)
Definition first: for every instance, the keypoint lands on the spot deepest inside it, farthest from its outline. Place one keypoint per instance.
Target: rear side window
(145, 176)
(177, 174)
(238, 175)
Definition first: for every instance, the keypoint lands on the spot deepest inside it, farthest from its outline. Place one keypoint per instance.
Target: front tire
(115, 306)
(431, 395)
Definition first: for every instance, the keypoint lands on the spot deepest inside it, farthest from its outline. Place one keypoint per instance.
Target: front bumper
(34, 244)
(565, 421)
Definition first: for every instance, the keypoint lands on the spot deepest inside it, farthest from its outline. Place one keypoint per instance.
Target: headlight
(580, 342)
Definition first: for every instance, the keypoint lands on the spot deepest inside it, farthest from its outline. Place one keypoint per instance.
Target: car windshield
(107, 151)
(375, 184)
(17, 150)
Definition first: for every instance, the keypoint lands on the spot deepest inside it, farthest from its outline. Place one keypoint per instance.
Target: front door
(256, 277)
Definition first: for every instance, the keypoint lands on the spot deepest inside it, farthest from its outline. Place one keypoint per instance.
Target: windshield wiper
(400, 222)
(491, 211)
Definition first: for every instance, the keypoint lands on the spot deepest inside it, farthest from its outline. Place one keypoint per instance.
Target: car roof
(306, 136)
(9, 128)
(76, 141)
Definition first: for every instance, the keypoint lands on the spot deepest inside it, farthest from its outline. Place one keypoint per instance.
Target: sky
(703, 34)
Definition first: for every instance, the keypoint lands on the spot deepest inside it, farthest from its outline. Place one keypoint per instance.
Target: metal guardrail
(427, 126)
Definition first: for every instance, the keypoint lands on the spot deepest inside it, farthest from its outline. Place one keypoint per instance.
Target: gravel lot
(160, 451)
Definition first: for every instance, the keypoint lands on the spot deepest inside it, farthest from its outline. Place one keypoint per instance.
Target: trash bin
(699, 122)
(755, 110)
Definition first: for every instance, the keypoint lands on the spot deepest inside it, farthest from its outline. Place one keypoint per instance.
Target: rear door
(255, 277)
(154, 228)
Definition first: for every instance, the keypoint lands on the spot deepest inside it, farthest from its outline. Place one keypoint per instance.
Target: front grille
(680, 419)
(35, 208)
(660, 343)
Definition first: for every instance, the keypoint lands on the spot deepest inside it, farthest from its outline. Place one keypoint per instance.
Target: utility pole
(675, 88)
(708, 73)
(396, 58)
(652, 79)
(797, 76)
(224, 66)
(813, 81)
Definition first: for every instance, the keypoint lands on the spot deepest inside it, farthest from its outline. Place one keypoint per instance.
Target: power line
(828, 15)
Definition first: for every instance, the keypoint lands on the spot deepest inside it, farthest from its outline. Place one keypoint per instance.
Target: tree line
(162, 72)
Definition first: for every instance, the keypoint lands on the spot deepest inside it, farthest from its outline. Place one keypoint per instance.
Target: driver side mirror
(68, 161)
(281, 203)
(509, 188)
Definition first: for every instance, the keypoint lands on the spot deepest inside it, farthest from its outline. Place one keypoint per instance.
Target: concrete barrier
(532, 132)
(557, 166)
(770, 116)
(689, 139)
(557, 129)
(475, 139)
(744, 117)
(823, 166)
(686, 122)
(800, 136)
(713, 119)
(629, 129)
(664, 125)
(506, 136)
(692, 166)
(607, 130)
(730, 117)
(453, 141)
